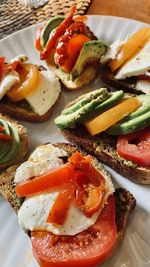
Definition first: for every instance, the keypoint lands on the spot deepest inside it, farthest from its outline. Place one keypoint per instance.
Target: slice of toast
(88, 75)
(22, 111)
(125, 202)
(23, 143)
(103, 147)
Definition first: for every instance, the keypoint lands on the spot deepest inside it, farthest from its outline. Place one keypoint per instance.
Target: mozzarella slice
(46, 93)
(138, 65)
(112, 51)
(30, 169)
(143, 85)
(44, 152)
(8, 81)
(34, 212)
(43, 159)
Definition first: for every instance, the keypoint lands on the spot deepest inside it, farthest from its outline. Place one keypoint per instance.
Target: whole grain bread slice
(103, 147)
(23, 143)
(125, 202)
(20, 112)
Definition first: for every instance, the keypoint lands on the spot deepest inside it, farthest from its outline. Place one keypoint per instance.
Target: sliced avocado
(15, 143)
(83, 100)
(90, 51)
(5, 145)
(50, 25)
(110, 102)
(135, 121)
(82, 113)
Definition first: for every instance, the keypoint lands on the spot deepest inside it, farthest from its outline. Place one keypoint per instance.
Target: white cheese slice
(34, 212)
(112, 51)
(30, 169)
(46, 93)
(8, 81)
(43, 159)
(138, 65)
(143, 85)
(44, 152)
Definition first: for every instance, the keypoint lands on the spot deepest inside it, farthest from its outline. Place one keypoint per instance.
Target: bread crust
(21, 113)
(23, 143)
(103, 147)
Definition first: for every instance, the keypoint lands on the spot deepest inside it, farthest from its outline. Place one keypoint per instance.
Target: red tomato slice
(135, 147)
(85, 249)
(58, 33)
(60, 208)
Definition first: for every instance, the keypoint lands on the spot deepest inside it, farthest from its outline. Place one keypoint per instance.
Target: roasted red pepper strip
(2, 66)
(57, 34)
(45, 182)
(4, 137)
(60, 208)
(37, 39)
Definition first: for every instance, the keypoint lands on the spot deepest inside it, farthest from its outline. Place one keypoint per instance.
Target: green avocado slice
(135, 121)
(90, 52)
(50, 25)
(5, 145)
(15, 144)
(82, 113)
(83, 100)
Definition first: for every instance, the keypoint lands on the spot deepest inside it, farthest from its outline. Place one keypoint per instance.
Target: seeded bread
(103, 147)
(125, 202)
(22, 111)
(89, 74)
(23, 143)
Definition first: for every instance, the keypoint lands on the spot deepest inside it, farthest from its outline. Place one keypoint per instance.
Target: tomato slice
(58, 33)
(60, 208)
(135, 147)
(29, 79)
(85, 249)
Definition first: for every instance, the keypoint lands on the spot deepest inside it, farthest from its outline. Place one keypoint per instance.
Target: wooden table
(135, 9)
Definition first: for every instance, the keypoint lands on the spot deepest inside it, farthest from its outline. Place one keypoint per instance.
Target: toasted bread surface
(103, 147)
(89, 74)
(21, 113)
(125, 202)
(23, 143)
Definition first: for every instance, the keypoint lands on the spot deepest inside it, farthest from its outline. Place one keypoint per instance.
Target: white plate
(15, 249)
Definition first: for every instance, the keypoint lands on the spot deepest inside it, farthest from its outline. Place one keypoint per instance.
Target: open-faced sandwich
(126, 64)
(114, 127)
(27, 91)
(69, 46)
(68, 206)
(13, 142)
